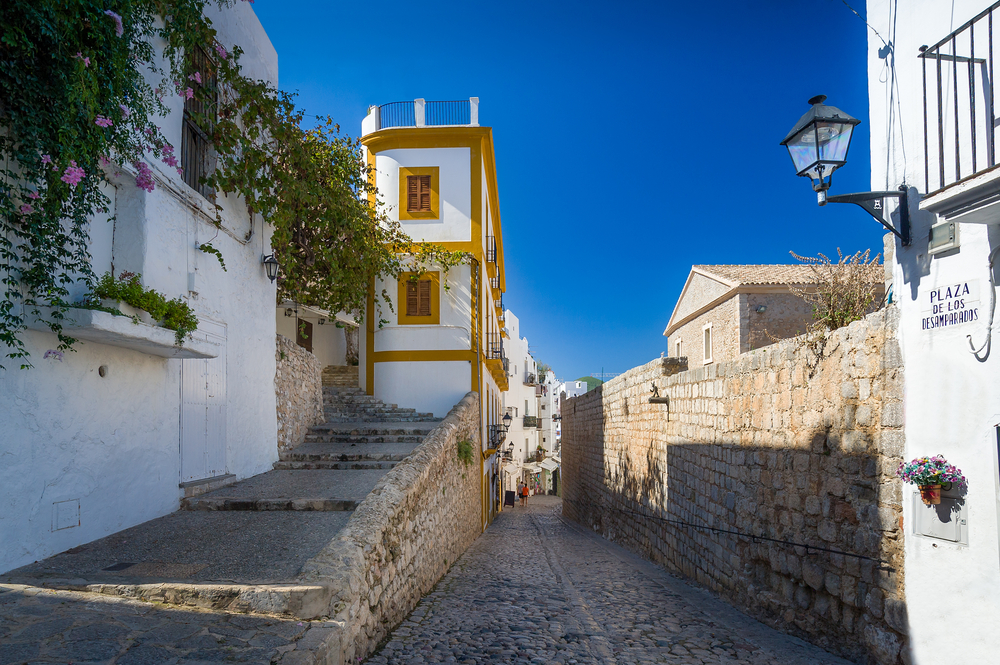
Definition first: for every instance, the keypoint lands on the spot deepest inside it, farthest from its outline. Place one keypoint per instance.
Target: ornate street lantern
(270, 266)
(818, 144)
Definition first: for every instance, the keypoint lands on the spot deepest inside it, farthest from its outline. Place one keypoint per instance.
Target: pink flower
(101, 121)
(188, 93)
(221, 51)
(79, 56)
(104, 160)
(144, 178)
(180, 171)
(73, 175)
(126, 111)
(168, 149)
(34, 195)
(119, 30)
(170, 160)
(27, 209)
(196, 77)
(46, 159)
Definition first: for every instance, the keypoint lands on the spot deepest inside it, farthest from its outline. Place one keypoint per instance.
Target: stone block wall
(750, 476)
(402, 538)
(298, 388)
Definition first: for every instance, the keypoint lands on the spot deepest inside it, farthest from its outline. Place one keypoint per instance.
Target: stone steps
(340, 376)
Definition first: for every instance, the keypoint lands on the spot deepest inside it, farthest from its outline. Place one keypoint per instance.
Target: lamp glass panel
(834, 139)
(803, 149)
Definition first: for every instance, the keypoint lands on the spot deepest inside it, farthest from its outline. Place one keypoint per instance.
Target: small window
(418, 193)
(418, 298)
(197, 154)
(707, 332)
(677, 349)
(304, 335)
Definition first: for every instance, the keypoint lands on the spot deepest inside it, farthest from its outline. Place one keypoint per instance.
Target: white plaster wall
(329, 341)
(428, 387)
(453, 332)
(112, 443)
(517, 393)
(454, 195)
(952, 401)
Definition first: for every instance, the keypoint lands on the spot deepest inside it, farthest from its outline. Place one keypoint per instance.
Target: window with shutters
(197, 153)
(419, 299)
(418, 193)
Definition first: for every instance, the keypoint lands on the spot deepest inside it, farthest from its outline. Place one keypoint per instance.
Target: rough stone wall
(725, 320)
(298, 387)
(785, 315)
(418, 520)
(778, 444)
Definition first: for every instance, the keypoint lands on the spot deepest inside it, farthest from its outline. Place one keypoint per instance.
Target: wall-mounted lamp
(761, 309)
(289, 312)
(270, 266)
(818, 146)
(321, 322)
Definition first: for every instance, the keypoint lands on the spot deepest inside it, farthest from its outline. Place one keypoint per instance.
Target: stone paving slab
(292, 490)
(381, 426)
(193, 546)
(537, 589)
(48, 626)
(351, 452)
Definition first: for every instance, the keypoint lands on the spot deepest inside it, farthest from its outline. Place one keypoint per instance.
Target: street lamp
(270, 266)
(506, 422)
(818, 145)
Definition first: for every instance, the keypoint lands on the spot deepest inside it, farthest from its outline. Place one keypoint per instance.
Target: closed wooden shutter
(425, 297)
(418, 193)
(412, 299)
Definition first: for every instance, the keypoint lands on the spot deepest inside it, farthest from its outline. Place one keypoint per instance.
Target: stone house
(726, 310)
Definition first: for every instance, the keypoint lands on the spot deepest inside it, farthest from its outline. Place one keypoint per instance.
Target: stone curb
(299, 601)
(322, 505)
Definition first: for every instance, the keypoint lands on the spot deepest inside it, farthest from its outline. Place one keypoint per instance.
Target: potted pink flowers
(929, 474)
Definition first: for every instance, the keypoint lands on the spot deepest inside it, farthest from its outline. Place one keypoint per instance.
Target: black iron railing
(959, 101)
(396, 114)
(491, 249)
(448, 113)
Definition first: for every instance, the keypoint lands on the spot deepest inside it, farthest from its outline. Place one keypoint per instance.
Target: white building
(111, 435)
(436, 172)
(573, 388)
(521, 402)
(944, 284)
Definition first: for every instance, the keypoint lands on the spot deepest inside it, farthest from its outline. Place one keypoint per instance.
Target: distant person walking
(524, 496)
(520, 492)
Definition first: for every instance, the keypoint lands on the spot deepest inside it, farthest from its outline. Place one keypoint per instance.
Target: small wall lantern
(270, 266)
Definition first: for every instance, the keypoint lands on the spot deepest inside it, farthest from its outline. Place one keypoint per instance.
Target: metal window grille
(197, 155)
(958, 103)
(491, 249)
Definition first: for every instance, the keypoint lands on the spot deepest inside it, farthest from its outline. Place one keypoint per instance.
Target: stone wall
(785, 315)
(298, 388)
(725, 320)
(780, 444)
(401, 540)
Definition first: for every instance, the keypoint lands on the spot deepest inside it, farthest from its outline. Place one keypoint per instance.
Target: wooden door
(203, 409)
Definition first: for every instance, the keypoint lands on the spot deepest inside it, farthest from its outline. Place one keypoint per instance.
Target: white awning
(531, 467)
(550, 464)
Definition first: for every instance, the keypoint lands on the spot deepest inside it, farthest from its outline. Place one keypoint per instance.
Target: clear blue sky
(632, 139)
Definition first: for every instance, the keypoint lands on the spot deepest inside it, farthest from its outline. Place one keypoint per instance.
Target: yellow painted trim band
(434, 277)
(443, 355)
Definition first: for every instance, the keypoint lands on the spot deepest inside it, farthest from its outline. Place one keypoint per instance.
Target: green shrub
(465, 452)
(174, 314)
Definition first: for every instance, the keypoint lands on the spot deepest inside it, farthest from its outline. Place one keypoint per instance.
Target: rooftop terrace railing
(421, 113)
(959, 103)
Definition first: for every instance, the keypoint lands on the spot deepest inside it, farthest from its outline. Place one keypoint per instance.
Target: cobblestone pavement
(537, 589)
(46, 626)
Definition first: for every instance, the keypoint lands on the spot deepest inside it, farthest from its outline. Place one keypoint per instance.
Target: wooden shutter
(304, 334)
(412, 193)
(425, 193)
(412, 299)
(425, 297)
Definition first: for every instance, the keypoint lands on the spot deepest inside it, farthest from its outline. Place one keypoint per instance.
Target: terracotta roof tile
(763, 274)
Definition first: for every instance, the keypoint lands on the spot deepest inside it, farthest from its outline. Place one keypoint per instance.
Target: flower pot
(930, 494)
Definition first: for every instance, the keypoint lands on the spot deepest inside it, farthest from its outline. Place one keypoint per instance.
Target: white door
(203, 409)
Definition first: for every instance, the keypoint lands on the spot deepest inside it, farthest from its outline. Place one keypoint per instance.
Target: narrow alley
(537, 588)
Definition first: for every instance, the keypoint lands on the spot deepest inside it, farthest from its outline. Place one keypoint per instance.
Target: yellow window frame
(434, 172)
(435, 318)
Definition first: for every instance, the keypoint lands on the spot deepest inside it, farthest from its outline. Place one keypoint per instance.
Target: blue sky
(633, 139)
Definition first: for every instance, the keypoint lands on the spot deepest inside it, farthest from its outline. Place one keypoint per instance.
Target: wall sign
(950, 305)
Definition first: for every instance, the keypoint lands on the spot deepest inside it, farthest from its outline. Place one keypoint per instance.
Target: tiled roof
(763, 274)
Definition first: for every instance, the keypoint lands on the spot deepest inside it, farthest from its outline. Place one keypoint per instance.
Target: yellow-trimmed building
(435, 171)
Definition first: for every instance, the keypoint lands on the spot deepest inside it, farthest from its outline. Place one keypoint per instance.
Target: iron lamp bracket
(874, 204)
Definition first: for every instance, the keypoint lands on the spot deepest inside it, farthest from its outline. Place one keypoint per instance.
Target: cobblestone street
(535, 588)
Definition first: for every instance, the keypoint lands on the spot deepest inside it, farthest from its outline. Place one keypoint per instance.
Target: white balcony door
(203, 409)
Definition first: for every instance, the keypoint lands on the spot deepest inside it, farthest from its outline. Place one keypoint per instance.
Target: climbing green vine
(81, 91)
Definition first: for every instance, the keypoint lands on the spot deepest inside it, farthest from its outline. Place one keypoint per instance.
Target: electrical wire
(993, 307)
(864, 21)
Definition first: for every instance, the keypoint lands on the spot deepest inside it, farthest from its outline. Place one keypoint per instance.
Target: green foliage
(845, 291)
(591, 382)
(174, 314)
(208, 249)
(465, 450)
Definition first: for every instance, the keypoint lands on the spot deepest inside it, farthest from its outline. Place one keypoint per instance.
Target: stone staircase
(340, 376)
(360, 432)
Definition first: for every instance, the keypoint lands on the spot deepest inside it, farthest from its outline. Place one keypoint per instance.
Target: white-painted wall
(111, 443)
(454, 194)
(525, 439)
(952, 401)
(329, 342)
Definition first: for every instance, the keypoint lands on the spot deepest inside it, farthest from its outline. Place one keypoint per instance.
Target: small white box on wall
(65, 514)
(945, 521)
